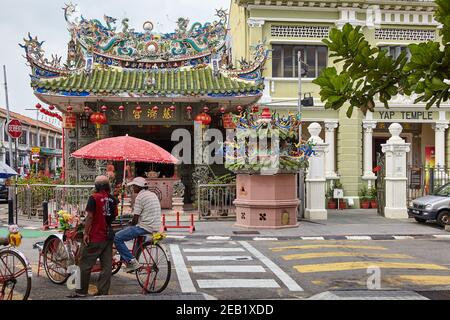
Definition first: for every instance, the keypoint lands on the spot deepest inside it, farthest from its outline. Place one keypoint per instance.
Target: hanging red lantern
(155, 108)
(222, 110)
(97, 118)
(239, 108)
(69, 108)
(104, 108)
(255, 108)
(38, 106)
(188, 111)
(172, 108)
(205, 109)
(87, 109)
(204, 119)
(51, 107)
(138, 108)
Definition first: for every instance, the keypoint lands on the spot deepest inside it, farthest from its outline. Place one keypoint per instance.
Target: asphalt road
(279, 269)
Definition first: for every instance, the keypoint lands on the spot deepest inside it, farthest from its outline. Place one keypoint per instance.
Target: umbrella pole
(123, 189)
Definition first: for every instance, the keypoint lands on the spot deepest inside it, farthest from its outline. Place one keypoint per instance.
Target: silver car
(433, 207)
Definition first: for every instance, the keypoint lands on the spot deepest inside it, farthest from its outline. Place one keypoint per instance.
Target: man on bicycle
(146, 220)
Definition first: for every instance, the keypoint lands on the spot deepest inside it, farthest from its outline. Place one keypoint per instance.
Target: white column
(368, 174)
(439, 144)
(330, 157)
(395, 150)
(315, 179)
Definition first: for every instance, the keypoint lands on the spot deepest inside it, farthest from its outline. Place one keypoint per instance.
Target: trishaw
(15, 271)
(61, 250)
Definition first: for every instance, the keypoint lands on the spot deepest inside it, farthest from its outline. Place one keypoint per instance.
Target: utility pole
(11, 161)
(301, 173)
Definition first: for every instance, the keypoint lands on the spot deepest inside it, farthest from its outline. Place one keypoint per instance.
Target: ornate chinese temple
(141, 83)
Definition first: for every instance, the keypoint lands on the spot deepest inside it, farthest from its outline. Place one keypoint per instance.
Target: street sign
(14, 129)
(338, 194)
(35, 150)
(35, 158)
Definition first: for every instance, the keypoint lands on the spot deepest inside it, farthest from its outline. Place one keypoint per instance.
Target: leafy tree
(369, 73)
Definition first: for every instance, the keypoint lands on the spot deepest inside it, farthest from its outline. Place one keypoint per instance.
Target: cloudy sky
(45, 19)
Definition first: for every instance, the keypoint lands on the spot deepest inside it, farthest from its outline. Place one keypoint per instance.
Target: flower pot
(373, 204)
(342, 205)
(365, 204)
(331, 204)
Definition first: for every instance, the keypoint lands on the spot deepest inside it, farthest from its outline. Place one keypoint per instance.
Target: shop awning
(50, 152)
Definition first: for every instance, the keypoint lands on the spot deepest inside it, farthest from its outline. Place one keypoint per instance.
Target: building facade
(35, 134)
(288, 26)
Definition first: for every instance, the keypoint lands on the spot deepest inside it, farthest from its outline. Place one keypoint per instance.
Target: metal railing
(72, 198)
(425, 180)
(215, 201)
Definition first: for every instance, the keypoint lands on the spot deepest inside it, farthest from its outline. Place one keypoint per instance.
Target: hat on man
(139, 181)
(101, 180)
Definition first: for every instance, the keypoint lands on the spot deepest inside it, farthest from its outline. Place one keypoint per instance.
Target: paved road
(281, 269)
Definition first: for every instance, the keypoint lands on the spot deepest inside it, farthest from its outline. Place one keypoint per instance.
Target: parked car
(3, 190)
(433, 207)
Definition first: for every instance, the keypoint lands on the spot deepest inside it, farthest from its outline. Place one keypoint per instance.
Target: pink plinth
(266, 201)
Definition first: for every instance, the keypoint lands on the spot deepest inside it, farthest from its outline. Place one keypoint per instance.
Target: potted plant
(364, 197)
(331, 203)
(373, 197)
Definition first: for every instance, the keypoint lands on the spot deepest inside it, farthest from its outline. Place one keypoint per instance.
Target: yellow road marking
(318, 246)
(314, 255)
(343, 266)
(426, 280)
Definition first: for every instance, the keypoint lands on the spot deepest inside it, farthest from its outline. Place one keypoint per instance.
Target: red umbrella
(125, 148)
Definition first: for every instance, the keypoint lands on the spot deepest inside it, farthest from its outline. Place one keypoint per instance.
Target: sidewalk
(342, 224)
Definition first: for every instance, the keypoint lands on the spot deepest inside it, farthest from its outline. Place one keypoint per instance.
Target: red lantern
(121, 108)
(189, 109)
(239, 108)
(87, 109)
(98, 119)
(255, 108)
(172, 108)
(222, 110)
(204, 119)
(51, 107)
(69, 109)
(138, 108)
(38, 106)
(155, 108)
(205, 109)
(104, 108)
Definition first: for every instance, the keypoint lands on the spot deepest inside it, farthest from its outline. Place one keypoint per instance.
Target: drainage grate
(246, 232)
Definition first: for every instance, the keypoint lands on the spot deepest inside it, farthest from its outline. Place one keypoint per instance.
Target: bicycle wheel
(15, 282)
(116, 263)
(56, 260)
(154, 274)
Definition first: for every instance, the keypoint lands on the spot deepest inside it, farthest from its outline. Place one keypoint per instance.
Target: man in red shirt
(101, 210)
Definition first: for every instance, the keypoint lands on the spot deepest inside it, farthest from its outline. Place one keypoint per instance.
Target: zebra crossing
(226, 265)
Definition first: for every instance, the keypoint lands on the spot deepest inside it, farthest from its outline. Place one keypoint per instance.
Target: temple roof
(112, 81)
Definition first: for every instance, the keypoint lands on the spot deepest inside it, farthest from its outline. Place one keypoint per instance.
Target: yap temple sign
(405, 115)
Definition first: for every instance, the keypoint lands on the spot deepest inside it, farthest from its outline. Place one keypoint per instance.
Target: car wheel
(443, 218)
(420, 220)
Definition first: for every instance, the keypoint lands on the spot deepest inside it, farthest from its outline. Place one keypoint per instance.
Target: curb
(309, 238)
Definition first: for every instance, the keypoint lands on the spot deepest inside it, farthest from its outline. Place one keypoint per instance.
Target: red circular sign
(15, 129)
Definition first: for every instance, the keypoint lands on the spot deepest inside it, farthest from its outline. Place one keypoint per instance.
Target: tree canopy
(369, 73)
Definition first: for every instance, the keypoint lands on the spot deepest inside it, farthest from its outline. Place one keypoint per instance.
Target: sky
(45, 19)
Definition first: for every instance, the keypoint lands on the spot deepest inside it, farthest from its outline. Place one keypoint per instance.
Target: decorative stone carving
(255, 23)
(178, 189)
(299, 31)
(405, 34)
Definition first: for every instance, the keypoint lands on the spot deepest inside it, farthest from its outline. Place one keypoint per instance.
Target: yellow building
(289, 26)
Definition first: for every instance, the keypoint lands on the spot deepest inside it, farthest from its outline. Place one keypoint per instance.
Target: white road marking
(442, 236)
(219, 258)
(30, 228)
(358, 238)
(176, 237)
(217, 238)
(214, 250)
(283, 276)
(184, 279)
(313, 238)
(403, 237)
(237, 283)
(229, 268)
(264, 239)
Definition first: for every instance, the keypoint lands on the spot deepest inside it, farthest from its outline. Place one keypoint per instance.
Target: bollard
(10, 211)
(45, 215)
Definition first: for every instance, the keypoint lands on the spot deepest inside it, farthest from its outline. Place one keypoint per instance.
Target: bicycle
(15, 272)
(59, 252)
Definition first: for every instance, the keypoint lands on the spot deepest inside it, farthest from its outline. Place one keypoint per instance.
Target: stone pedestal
(266, 201)
(395, 150)
(178, 205)
(315, 179)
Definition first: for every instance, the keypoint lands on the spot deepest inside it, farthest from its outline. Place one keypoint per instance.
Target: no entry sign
(15, 129)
